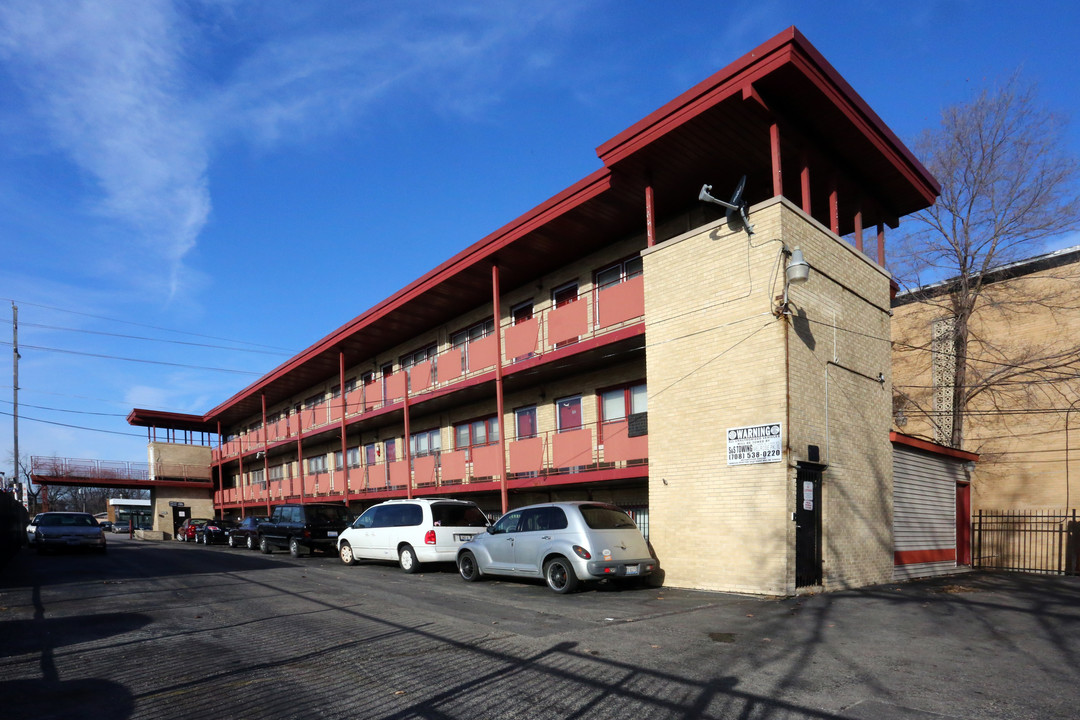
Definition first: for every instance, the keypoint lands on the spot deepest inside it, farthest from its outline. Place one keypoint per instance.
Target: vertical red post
(881, 244)
(240, 457)
(266, 453)
(499, 387)
(834, 206)
(650, 216)
(858, 230)
(344, 409)
(299, 459)
(804, 183)
(408, 444)
(774, 145)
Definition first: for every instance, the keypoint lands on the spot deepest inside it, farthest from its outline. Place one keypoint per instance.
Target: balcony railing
(115, 470)
(593, 314)
(607, 446)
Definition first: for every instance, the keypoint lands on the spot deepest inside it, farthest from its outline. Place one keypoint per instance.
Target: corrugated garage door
(924, 513)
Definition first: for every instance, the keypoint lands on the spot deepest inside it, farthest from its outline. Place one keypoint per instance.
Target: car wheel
(560, 576)
(407, 559)
(232, 541)
(250, 542)
(346, 554)
(264, 546)
(467, 567)
(294, 547)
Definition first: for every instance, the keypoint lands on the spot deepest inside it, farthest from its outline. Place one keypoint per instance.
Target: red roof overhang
(713, 133)
(932, 447)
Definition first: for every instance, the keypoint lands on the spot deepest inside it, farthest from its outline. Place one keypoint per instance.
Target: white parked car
(68, 531)
(565, 543)
(411, 532)
(30, 530)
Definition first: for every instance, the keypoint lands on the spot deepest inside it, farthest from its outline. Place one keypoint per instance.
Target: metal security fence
(1039, 541)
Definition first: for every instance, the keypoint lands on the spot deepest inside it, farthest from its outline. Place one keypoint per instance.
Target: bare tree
(1008, 185)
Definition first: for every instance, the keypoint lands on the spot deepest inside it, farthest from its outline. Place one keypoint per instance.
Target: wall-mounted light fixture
(796, 272)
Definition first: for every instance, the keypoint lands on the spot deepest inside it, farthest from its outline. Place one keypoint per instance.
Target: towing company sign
(754, 444)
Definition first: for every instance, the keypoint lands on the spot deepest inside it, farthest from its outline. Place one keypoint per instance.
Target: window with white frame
(428, 442)
(618, 403)
(277, 472)
(476, 433)
(618, 272)
(353, 457)
(316, 464)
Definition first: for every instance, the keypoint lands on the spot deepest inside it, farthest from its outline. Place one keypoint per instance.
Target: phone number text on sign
(754, 444)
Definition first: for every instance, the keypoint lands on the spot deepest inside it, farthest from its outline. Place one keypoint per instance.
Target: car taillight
(582, 553)
(429, 537)
(307, 533)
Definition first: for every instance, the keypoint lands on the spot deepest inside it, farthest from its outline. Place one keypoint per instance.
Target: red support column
(241, 475)
(266, 453)
(858, 229)
(499, 388)
(344, 409)
(774, 144)
(834, 207)
(881, 244)
(408, 445)
(804, 184)
(220, 465)
(299, 459)
(650, 216)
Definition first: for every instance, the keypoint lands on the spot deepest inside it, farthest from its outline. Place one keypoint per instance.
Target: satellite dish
(737, 204)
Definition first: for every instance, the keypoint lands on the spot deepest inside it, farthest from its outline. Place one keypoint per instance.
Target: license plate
(331, 533)
(632, 569)
(463, 537)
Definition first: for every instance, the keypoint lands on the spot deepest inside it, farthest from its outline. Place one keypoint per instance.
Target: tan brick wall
(1019, 428)
(718, 358)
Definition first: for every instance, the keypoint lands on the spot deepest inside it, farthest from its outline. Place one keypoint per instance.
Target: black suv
(314, 526)
(246, 532)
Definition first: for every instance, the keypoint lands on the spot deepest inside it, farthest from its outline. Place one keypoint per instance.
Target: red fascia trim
(916, 557)
(577, 194)
(931, 447)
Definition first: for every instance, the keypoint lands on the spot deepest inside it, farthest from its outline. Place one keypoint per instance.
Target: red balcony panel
(217, 497)
(485, 461)
(453, 465)
(482, 353)
(376, 476)
(335, 410)
(354, 401)
(568, 322)
(424, 468)
(420, 376)
(449, 367)
(399, 473)
(275, 489)
(620, 447)
(521, 339)
(573, 448)
(309, 485)
(372, 395)
(621, 302)
(527, 455)
(395, 386)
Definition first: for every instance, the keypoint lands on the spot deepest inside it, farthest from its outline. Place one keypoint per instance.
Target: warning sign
(754, 444)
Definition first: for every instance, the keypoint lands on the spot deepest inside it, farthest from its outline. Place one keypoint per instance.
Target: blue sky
(233, 179)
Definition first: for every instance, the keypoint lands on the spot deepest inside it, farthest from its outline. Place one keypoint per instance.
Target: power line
(80, 412)
(135, 360)
(149, 339)
(75, 427)
(138, 324)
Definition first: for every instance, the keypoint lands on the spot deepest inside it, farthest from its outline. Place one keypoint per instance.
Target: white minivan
(422, 530)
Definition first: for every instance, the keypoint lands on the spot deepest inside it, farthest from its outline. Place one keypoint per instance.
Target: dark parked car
(105, 524)
(214, 531)
(246, 532)
(186, 532)
(313, 526)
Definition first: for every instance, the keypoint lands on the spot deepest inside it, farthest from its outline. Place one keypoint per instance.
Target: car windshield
(77, 520)
(328, 514)
(454, 515)
(605, 517)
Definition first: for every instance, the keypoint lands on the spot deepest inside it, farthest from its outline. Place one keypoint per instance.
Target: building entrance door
(807, 526)
(179, 515)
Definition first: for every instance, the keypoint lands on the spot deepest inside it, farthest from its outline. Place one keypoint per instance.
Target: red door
(963, 523)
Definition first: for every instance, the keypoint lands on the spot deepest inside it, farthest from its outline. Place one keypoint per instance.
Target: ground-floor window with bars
(640, 515)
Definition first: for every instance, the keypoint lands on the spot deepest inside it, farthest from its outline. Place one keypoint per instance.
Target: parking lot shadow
(46, 699)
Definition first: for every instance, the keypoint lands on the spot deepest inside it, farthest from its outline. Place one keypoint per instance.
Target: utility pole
(15, 383)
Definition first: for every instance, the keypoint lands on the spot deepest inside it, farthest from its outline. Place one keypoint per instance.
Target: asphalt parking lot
(163, 630)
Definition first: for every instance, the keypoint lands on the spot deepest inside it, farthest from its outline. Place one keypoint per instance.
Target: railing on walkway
(594, 314)
(609, 446)
(74, 468)
(1037, 541)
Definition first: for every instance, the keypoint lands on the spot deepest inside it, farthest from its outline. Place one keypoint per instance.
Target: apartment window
(619, 272)
(353, 457)
(461, 339)
(415, 358)
(476, 433)
(391, 451)
(525, 422)
(335, 392)
(316, 465)
(568, 413)
(522, 312)
(618, 403)
(314, 400)
(428, 442)
(337, 460)
(277, 472)
(256, 477)
(371, 453)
